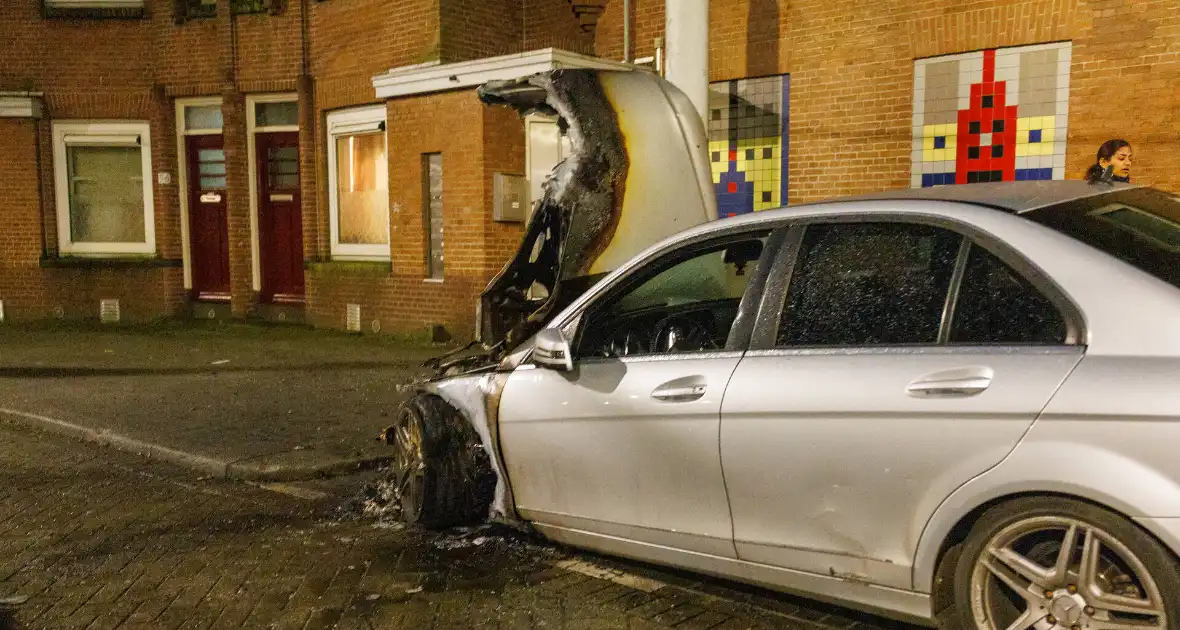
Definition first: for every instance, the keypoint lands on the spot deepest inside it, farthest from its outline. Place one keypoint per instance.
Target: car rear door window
(869, 284)
(996, 305)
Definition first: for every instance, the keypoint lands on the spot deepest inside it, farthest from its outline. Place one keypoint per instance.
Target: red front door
(208, 223)
(280, 217)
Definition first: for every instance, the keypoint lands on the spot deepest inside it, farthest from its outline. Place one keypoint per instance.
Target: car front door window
(687, 303)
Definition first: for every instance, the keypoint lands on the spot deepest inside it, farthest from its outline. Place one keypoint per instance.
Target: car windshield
(1139, 226)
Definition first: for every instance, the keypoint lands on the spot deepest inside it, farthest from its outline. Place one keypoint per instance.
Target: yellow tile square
(928, 143)
(1048, 122)
(952, 142)
(929, 131)
(1022, 124)
(1022, 149)
(1047, 135)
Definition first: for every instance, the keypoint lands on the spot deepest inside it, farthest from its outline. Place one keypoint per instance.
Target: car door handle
(959, 382)
(680, 390)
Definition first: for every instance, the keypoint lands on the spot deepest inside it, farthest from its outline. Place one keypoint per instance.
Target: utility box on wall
(511, 194)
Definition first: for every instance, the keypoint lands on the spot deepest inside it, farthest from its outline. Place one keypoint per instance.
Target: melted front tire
(443, 474)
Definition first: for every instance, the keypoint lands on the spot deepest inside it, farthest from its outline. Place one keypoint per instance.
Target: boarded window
(433, 212)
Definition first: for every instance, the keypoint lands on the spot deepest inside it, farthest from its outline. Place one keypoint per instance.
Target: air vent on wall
(353, 317)
(108, 311)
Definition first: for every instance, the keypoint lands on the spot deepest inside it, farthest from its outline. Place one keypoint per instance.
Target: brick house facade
(252, 115)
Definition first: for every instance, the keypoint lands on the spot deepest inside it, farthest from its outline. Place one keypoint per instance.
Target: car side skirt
(895, 603)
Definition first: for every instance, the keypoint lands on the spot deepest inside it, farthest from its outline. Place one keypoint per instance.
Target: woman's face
(1121, 161)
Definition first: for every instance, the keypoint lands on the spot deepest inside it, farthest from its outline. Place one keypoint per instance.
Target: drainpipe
(626, 31)
(686, 29)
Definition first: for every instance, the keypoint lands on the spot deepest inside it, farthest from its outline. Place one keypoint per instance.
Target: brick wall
(20, 241)
(31, 292)
(360, 38)
(851, 67)
(504, 152)
(473, 29)
(1126, 83)
(551, 24)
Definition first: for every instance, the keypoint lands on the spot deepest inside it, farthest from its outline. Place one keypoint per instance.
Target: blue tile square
(1046, 173)
(1034, 135)
(927, 180)
(939, 142)
(1021, 175)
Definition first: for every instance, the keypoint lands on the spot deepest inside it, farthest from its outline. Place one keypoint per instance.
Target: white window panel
(358, 181)
(103, 181)
(203, 118)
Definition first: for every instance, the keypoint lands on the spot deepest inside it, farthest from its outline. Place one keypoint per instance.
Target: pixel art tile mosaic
(748, 123)
(993, 115)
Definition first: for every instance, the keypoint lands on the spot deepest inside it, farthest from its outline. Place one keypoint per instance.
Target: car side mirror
(551, 350)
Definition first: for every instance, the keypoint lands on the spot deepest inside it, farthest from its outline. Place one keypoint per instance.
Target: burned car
(953, 405)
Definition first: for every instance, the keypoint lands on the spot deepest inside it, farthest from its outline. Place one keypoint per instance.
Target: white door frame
(252, 102)
(182, 174)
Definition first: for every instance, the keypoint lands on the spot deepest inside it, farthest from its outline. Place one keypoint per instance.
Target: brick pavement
(102, 540)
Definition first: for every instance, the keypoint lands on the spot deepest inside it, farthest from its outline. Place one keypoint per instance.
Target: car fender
(1043, 464)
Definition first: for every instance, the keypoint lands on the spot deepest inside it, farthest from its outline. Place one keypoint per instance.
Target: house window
(240, 7)
(432, 211)
(358, 173)
(93, 8)
(203, 118)
(277, 114)
(194, 9)
(104, 188)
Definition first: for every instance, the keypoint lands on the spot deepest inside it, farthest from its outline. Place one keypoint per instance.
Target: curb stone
(249, 469)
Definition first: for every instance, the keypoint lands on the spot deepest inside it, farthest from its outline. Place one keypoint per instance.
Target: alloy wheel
(409, 464)
(1056, 572)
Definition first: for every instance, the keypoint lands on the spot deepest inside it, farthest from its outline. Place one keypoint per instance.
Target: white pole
(686, 26)
(626, 31)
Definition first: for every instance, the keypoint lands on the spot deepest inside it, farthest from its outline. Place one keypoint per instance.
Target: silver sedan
(959, 406)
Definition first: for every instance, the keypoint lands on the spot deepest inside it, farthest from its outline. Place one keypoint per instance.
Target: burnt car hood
(638, 172)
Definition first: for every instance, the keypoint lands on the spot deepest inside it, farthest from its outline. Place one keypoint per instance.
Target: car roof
(1015, 197)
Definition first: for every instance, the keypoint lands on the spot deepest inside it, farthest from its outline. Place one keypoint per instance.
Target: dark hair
(1105, 152)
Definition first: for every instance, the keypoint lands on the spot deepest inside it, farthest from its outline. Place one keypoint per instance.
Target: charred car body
(953, 405)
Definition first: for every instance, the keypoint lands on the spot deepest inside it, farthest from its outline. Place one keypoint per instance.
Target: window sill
(433, 280)
(360, 267)
(95, 13)
(107, 262)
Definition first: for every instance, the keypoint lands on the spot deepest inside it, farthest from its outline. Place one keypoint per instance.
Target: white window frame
(92, 133)
(369, 119)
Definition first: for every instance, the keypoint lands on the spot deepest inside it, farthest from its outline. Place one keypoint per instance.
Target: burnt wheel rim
(409, 464)
(1051, 572)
